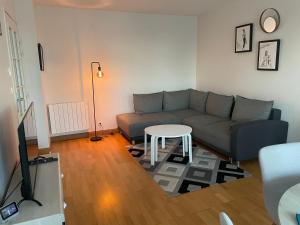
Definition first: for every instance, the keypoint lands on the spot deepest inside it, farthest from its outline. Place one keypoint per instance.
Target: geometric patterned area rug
(175, 175)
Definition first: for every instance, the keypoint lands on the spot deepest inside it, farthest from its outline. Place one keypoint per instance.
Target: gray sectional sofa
(236, 127)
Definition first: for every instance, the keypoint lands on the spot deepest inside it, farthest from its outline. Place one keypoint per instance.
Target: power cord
(6, 194)
(15, 188)
(101, 129)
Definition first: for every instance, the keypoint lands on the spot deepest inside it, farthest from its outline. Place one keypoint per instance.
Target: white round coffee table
(289, 205)
(168, 131)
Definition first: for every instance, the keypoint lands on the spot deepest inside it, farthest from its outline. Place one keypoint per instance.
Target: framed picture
(41, 57)
(243, 38)
(268, 55)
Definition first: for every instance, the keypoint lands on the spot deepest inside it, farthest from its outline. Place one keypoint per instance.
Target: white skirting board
(68, 118)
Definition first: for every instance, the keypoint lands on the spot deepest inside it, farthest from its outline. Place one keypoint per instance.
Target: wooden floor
(103, 184)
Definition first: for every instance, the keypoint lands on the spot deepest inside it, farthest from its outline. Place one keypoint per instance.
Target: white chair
(224, 219)
(280, 168)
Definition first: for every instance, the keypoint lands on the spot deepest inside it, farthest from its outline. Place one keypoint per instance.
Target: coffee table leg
(156, 149)
(186, 144)
(183, 145)
(163, 143)
(190, 148)
(152, 150)
(145, 144)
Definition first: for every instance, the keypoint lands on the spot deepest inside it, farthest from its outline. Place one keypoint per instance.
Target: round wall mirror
(269, 20)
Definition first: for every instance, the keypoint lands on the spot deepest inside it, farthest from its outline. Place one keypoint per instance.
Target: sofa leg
(133, 142)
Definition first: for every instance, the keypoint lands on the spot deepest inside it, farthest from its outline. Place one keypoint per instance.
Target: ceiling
(176, 7)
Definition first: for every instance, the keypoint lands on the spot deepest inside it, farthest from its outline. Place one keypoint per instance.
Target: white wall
(27, 28)
(139, 53)
(8, 113)
(223, 71)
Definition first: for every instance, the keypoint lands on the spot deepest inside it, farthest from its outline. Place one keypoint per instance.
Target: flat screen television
(27, 139)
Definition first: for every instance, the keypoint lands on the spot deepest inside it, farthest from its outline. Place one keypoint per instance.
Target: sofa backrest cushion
(198, 100)
(251, 109)
(148, 103)
(219, 105)
(176, 100)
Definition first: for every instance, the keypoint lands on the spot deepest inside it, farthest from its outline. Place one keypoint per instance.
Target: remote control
(42, 160)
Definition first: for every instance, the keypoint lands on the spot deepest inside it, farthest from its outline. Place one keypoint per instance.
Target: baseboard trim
(44, 151)
(84, 135)
(69, 137)
(105, 132)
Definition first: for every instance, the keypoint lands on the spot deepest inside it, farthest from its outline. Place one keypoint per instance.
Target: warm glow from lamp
(99, 73)
(109, 200)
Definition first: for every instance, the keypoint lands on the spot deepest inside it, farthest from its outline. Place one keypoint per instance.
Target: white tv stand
(48, 191)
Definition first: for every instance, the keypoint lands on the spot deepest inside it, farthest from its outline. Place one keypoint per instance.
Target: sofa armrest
(249, 137)
(275, 114)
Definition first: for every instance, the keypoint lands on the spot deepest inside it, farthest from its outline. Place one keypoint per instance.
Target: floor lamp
(100, 75)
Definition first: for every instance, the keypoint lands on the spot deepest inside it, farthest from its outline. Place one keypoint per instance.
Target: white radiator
(68, 118)
(30, 125)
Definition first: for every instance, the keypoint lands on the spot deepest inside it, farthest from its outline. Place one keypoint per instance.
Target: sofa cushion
(183, 114)
(198, 100)
(133, 124)
(202, 120)
(176, 100)
(215, 134)
(148, 103)
(219, 105)
(251, 109)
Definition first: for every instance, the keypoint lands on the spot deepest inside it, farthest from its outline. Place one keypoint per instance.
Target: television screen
(27, 148)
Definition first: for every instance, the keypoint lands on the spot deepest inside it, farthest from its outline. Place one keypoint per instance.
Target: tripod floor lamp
(100, 75)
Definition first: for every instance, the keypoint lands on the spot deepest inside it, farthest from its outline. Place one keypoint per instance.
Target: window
(16, 66)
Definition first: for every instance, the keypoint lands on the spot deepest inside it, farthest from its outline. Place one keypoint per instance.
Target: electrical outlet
(100, 125)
